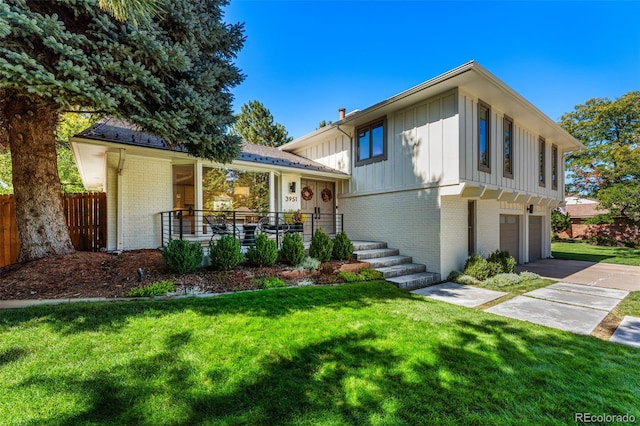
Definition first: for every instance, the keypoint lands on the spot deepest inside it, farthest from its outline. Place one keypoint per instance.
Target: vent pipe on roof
(342, 112)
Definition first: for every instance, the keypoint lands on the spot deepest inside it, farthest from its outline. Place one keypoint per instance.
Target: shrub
(365, 274)
(477, 267)
(321, 246)
(309, 263)
(501, 262)
(159, 288)
(225, 253)
(370, 274)
(292, 250)
(467, 280)
(526, 275)
(503, 280)
(342, 247)
(182, 256)
(264, 252)
(270, 282)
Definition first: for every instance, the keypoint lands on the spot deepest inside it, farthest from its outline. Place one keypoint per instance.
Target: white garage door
(510, 235)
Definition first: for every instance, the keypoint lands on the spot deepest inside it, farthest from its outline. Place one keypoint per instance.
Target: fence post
(180, 224)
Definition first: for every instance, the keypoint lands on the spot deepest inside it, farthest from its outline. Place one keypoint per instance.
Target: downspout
(120, 214)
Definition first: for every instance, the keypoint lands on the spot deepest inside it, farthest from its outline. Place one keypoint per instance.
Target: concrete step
(382, 262)
(368, 245)
(413, 281)
(375, 253)
(402, 270)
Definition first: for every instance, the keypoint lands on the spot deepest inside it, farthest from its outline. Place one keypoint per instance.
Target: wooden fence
(86, 218)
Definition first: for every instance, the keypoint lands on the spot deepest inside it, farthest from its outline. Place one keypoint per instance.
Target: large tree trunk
(42, 227)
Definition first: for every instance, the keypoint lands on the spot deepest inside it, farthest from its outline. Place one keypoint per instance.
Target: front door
(318, 203)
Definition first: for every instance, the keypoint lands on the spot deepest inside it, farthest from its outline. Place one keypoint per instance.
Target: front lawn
(365, 353)
(591, 253)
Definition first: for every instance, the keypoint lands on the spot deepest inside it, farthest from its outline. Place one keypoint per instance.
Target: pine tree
(171, 77)
(255, 124)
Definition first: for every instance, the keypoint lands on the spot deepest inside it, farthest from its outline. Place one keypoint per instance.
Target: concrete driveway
(604, 275)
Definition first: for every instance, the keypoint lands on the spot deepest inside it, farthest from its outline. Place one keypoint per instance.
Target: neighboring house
(582, 210)
(456, 165)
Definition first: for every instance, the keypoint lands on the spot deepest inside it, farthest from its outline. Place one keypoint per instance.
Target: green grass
(591, 253)
(364, 353)
(630, 305)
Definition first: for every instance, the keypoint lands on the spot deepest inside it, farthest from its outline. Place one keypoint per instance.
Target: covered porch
(206, 226)
(156, 192)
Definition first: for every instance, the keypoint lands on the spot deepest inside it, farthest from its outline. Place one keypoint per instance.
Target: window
(507, 147)
(371, 143)
(554, 167)
(484, 141)
(541, 161)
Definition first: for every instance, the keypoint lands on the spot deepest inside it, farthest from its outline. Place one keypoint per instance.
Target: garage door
(535, 238)
(510, 235)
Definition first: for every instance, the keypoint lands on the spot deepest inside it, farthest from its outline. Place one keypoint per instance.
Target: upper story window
(484, 140)
(371, 144)
(507, 147)
(541, 161)
(554, 167)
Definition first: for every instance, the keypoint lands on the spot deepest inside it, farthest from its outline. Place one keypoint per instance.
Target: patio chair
(269, 226)
(221, 226)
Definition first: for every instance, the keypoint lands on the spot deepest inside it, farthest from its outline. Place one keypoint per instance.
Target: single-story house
(459, 164)
(581, 212)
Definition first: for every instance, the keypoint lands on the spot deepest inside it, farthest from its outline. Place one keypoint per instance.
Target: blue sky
(305, 59)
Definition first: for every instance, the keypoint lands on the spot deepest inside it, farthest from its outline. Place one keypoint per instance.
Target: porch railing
(203, 225)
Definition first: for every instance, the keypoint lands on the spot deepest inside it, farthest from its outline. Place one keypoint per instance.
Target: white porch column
(198, 198)
(120, 208)
(273, 203)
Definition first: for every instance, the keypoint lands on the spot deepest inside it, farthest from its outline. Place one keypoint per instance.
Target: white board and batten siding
(333, 152)
(421, 147)
(525, 152)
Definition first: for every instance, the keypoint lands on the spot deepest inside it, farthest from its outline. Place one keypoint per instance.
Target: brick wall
(454, 235)
(487, 226)
(406, 220)
(621, 229)
(148, 190)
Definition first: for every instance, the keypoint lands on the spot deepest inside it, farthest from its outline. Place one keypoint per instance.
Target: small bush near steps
(342, 247)
(365, 274)
(225, 253)
(309, 263)
(159, 288)
(505, 264)
(269, 282)
(264, 252)
(478, 267)
(292, 250)
(182, 256)
(321, 247)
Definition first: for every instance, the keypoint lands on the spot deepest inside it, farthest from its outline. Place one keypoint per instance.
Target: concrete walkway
(459, 294)
(577, 308)
(569, 307)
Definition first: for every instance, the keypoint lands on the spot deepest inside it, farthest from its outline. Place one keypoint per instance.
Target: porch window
(507, 147)
(541, 161)
(371, 143)
(554, 167)
(183, 187)
(227, 189)
(484, 137)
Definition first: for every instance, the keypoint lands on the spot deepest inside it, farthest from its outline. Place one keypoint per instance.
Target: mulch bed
(86, 274)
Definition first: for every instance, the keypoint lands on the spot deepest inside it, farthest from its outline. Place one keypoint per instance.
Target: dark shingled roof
(122, 132)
